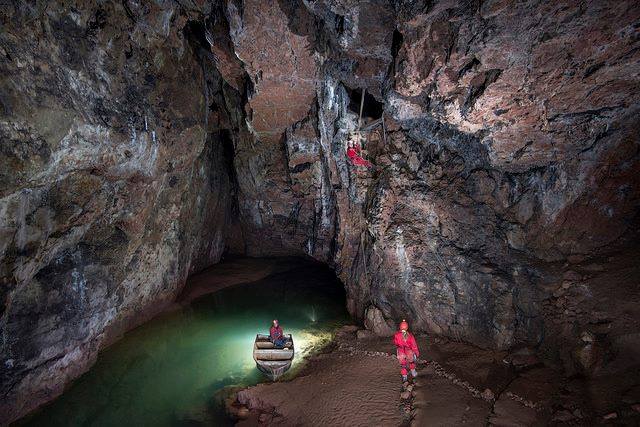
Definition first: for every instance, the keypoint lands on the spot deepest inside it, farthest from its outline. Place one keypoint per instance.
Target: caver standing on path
(406, 350)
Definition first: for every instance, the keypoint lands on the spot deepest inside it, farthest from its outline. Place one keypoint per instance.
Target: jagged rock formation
(113, 183)
(501, 130)
(141, 140)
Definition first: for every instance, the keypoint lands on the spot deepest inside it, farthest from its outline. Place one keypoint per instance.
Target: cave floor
(357, 382)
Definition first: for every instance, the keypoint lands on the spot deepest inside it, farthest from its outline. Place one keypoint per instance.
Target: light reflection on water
(167, 372)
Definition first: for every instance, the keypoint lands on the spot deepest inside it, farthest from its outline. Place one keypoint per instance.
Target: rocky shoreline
(457, 384)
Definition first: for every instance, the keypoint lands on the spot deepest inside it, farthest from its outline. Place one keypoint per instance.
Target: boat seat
(265, 345)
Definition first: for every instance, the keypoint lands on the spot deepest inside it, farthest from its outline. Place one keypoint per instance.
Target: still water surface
(168, 371)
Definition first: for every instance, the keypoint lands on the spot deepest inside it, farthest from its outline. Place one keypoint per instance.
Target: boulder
(375, 322)
(588, 356)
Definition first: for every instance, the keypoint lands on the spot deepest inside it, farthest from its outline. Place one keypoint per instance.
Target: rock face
(374, 321)
(114, 182)
(141, 140)
(509, 150)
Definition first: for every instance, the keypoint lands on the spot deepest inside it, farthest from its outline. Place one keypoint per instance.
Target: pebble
(243, 412)
(610, 416)
(265, 418)
(562, 416)
(523, 401)
(405, 395)
(636, 407)
(487, 394)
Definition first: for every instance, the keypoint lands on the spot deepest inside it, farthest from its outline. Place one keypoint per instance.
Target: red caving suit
(405, 351)
(356, 159)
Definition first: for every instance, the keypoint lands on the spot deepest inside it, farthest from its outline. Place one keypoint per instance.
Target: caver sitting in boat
(276, 335)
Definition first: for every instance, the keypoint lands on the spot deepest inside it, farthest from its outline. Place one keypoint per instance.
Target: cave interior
(143, 142)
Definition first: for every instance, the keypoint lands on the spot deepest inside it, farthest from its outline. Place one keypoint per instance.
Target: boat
(272, 361)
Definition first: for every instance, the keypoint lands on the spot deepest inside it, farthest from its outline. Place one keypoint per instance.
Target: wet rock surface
(467, 222)
(114, 185)
(139, 141)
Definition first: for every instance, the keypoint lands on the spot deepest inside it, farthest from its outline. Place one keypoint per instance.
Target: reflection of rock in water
(183, 358)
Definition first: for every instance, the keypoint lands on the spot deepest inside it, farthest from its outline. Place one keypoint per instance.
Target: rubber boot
(404, 379)
(414, 373)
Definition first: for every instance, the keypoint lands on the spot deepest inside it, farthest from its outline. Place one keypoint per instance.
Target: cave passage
(372, 108)
(168, 371)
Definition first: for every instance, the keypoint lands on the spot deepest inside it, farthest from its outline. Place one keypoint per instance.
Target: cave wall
(510, 155)
(114, 185)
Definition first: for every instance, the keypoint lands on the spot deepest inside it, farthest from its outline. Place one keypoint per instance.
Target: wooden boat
(271, 361)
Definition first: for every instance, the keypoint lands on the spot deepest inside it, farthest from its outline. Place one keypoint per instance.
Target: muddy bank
(357, 382)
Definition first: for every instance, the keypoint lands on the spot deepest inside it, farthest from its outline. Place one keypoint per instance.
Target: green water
(168, 371)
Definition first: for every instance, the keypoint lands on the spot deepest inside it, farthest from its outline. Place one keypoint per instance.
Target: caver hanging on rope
(353, 153)
(354, 149)
(356, 140)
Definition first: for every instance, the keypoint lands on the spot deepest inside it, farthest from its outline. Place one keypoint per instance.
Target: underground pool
(171, 370)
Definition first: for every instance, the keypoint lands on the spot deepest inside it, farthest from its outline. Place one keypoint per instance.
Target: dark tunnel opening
(195, 33)
(372, 108)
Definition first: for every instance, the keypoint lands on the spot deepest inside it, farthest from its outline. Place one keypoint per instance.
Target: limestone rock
(265, 418)
(375, 322)
(589, 355)
(487, 394)
(113, 184)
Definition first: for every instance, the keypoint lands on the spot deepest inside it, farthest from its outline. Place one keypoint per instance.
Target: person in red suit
(277, 335)
(353, 153)
(406, 350)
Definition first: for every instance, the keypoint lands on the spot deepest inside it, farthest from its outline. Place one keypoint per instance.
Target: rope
(364, 90)
(372, 125)
(384, 130)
